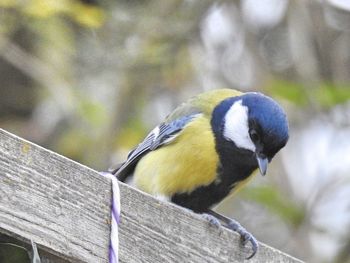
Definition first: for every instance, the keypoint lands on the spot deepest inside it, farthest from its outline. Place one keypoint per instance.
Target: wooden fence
(64, 207)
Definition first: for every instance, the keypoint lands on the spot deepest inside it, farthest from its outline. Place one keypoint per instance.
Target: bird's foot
(212, 220)
(235, 226)
(245, 236)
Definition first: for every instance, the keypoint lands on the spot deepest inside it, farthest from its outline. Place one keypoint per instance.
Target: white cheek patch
(236, 127)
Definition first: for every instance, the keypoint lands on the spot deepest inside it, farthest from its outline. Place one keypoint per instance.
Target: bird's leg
(235, 226)
(212, 220)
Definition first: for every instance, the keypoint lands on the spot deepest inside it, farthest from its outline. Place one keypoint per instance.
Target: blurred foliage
(85, 14)
(288, 90)
(92, 112)
(131, 134)
(325, 95)
(11, 253)
(330, 95)
(278, 203)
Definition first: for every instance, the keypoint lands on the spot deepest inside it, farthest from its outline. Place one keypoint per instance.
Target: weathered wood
(64, 207)
(60, 204)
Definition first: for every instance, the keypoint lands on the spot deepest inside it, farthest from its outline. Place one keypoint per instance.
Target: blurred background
(88, 79)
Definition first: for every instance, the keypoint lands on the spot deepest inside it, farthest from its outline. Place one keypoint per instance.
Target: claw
(235, 226)
(245, 236)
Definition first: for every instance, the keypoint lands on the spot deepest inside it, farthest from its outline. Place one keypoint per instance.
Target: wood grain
(65, 208)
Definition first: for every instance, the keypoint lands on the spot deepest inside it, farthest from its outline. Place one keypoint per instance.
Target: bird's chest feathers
(237, 165)
(227, 180)
(233, 171)
(188, 162)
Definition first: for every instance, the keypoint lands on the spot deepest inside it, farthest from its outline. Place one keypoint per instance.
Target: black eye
(254, 136)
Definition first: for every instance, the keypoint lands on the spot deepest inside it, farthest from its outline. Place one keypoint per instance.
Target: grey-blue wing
(163, 134)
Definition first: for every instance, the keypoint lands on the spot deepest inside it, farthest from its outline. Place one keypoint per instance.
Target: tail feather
(121, 171)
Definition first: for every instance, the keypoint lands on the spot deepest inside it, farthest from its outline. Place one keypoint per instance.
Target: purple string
(115, 219)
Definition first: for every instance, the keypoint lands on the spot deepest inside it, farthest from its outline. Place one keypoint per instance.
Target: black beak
(262, 162)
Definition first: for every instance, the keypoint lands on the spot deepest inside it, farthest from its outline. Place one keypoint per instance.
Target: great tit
(206, 149)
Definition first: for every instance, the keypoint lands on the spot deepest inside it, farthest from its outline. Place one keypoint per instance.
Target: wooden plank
(64, 207)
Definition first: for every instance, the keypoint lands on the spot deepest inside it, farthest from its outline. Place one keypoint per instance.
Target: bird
(207, 149)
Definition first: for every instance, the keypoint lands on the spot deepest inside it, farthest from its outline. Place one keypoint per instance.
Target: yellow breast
(186, 163)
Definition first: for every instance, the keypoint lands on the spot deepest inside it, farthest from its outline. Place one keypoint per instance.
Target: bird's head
(254, 123)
